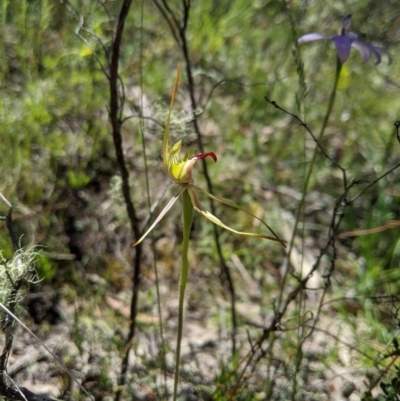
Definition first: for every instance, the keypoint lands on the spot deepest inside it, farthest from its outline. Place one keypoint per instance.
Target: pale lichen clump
(15, 271)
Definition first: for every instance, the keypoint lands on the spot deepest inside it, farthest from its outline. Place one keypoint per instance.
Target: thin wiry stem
(153, 247)
(115, 118)
(165, 13)
(117, 100)
(309, 172)
(300, 208)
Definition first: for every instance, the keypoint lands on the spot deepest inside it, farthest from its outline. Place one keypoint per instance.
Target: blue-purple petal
(382, 50)
(365, 51)
(375, 50)
(346, 23)
(343, 46)
(309, 37)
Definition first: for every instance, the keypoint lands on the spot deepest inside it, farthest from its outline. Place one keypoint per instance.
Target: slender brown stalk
(115, 115)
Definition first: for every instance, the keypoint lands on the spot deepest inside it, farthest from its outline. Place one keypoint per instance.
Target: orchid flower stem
(332, 97)
(187, 224)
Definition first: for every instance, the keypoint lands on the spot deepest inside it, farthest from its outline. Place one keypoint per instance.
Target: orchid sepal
(199, 208)
(310, 37)
(234, 205)
(161, 215)
(165, 152)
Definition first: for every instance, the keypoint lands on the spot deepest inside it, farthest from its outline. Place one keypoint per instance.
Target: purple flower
(345, 41)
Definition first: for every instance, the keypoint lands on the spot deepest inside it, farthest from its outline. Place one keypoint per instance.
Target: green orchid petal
(161, 215)
(199, 208)
(181, 172)
(174, 151)
(178, 169)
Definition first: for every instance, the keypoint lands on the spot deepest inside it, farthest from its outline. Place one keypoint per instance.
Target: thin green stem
(187, 224)
(310, 170)
(332, 98)
(299, 355)
(153, 247)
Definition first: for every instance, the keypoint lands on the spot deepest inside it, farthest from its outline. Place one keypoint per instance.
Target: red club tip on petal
(204, 155)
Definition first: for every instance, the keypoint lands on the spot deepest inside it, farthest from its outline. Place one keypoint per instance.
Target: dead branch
(115, 114)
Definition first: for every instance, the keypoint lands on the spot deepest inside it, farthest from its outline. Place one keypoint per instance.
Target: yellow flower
(180, 171)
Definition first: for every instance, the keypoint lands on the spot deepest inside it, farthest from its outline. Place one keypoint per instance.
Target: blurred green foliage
(58, 163)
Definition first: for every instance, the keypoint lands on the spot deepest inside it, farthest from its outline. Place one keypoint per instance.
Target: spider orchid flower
(345, 41)
(180, 171)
